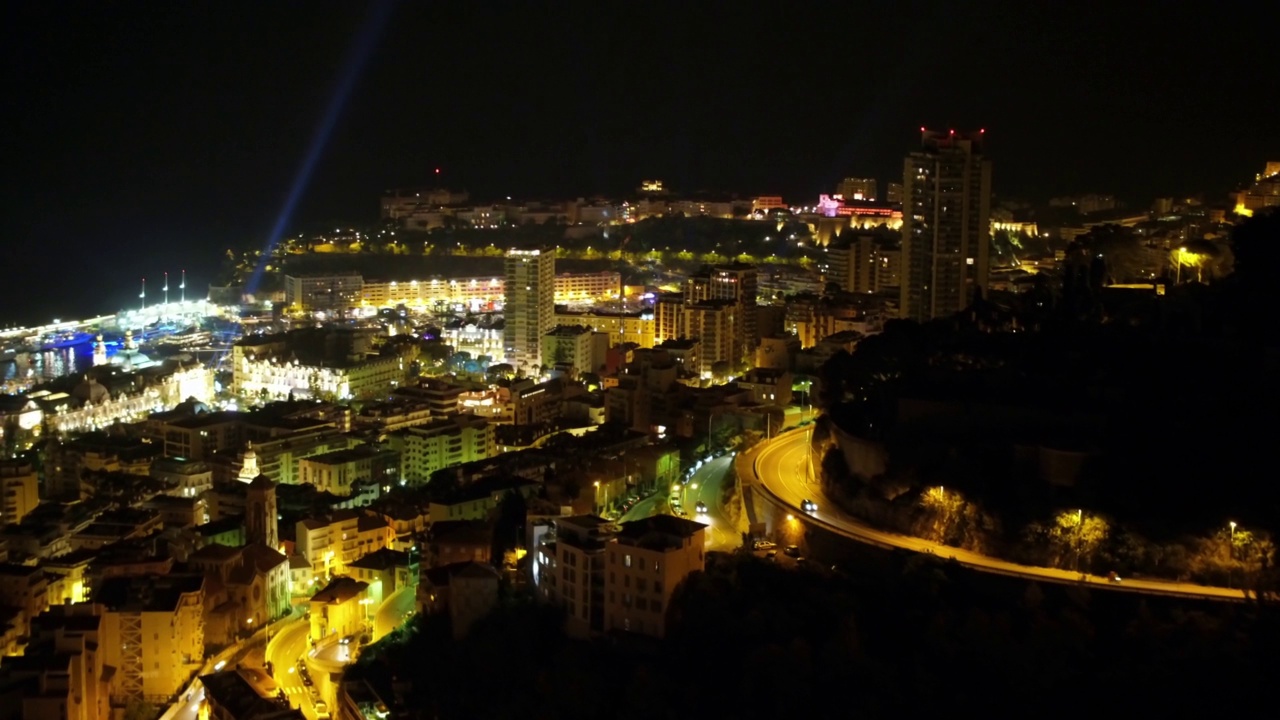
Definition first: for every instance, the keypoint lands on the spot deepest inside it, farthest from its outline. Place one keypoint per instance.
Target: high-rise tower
(737, 282)
(946, 228)
(530, 306)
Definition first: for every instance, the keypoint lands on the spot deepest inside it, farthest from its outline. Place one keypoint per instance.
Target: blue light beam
(357, 56)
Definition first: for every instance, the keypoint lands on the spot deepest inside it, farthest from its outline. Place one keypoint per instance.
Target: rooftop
(339, 457)
(440, 576)
(473, 532)
(153, 593)
(384, 559)
(659, 532)
(340, 590)
(231, 691)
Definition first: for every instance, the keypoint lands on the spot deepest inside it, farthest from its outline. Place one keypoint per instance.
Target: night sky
(140, 137)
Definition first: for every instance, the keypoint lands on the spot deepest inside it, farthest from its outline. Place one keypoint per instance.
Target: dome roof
(91, 391)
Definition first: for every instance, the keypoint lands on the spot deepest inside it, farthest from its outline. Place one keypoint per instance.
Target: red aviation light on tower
(983, 131)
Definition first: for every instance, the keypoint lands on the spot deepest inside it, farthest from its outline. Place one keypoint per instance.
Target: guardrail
(851, 533)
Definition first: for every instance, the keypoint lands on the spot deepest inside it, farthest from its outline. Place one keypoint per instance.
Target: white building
(529, 307)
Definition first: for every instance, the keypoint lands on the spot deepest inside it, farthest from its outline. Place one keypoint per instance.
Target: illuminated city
(441, 400)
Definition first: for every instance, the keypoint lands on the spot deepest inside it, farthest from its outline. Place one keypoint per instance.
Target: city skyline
(187, 132)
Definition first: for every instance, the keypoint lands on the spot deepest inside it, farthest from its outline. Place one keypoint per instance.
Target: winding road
(706, 485)
(784, 470)
(285, 649)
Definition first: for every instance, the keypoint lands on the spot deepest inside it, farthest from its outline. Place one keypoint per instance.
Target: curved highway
(783, 469)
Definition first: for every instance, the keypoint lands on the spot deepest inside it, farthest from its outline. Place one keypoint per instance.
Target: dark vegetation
(748, 639)
(1171, 401)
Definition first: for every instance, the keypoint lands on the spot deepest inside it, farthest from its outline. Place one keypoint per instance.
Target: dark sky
(140, 137)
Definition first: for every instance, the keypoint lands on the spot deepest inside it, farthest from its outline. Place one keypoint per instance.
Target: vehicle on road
(772, 554)
(346, 640)
(322, 710)
(700, 508)
(791, 551)
(809, 506)
(1113, 577)
(763, 545)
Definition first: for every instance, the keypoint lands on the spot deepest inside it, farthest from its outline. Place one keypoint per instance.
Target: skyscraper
(737, 282)
(530, 306)
(946, 229)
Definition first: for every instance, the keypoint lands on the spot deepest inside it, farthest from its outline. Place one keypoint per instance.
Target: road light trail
(771, 467)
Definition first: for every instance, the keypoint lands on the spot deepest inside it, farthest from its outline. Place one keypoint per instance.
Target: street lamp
(1231, 550)
(1079, 535)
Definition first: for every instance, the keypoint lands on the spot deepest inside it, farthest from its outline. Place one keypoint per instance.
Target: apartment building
(440, 444)
(633, 327)
(646, 560)
(587, 287)
(330, 543)
(575, 349)
(186, 478)
(339, 609)
(25, 588)
(571, 571)
(19, 490)
(61, 674)
(153, 634)
(280, 457)
(195, 437)
(442, 398)
(336, 472)
(331, 293)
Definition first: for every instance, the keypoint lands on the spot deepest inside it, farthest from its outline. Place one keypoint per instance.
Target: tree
(1076, 536)
(508, 526)
(140, 710)
(1120, 249)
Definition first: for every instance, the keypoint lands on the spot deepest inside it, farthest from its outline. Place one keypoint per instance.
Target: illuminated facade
(738, 283)
(946, 231)
(153, 634)
(328, 293)
(274, 378)
(473, 293)
(474, 339)
(1264, 193)
(441, 444)
(622, 328)
(714, 324)
(529, 307)
(587, 287)
(765, 203)
(339, 609)
(99, 410)
(329, 544)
